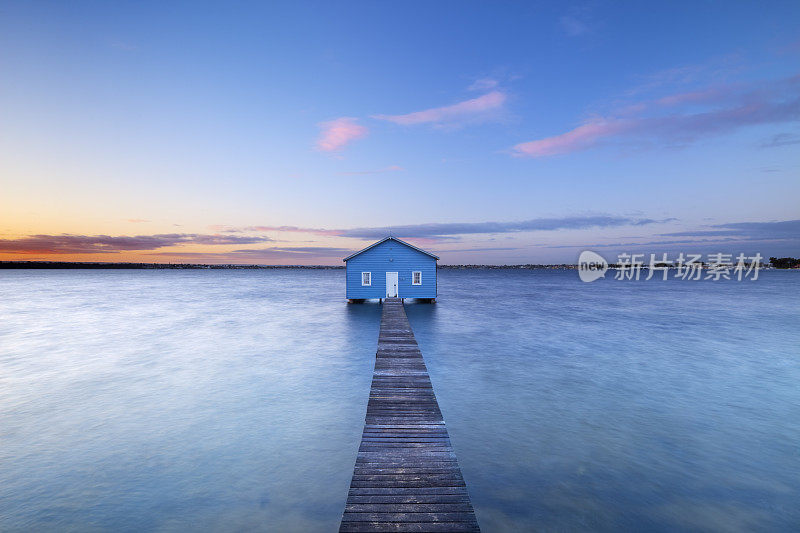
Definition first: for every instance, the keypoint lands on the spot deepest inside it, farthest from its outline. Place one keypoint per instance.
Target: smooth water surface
(225, 400)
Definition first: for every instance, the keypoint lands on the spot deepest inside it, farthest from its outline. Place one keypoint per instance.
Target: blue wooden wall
(391, 256)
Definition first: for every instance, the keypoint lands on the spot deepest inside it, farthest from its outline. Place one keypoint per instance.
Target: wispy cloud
(578, 21)
(137, 220)
(700, 233)
(781, 139)
(264, 253)
(484, 249)
(393, 168)
(124, 46)
(338, 133)
(582, 137)
(477, 108)
(287, 229)
(440, 230)
(572, 26)
(659, 244)
(484, 84)
(679, 76)
(711, 95)
(222, 239)
(100, 244)
(775, 237)
(445, 231)
(726, 111)
(761, 230)
(259, 255)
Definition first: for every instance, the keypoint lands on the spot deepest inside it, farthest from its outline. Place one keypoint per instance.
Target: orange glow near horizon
(150, 244)
(212, 257)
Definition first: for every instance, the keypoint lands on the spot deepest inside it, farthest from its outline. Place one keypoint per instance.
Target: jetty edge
(406, 476)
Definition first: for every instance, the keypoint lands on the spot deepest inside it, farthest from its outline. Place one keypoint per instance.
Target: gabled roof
(389, 239)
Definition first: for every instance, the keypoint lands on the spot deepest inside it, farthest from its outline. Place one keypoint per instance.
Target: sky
(487, 133)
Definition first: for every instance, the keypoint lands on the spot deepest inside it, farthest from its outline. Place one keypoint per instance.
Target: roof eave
(374, 244)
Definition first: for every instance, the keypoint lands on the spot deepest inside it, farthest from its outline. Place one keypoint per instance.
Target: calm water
(234, 400)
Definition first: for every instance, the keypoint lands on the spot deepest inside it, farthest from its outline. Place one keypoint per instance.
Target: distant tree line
(784, 262)
(149, 266)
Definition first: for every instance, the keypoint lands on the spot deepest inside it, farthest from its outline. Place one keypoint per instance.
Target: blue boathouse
(391, 268)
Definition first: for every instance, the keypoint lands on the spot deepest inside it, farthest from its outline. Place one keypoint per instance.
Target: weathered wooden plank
(405, 491)
(405, 440)
(406, 476)
(408, 517)
(429, 527)
(376, 480)
(438, 507)
(364, 463)
(406, 484)
(409, 498)
(369, 471)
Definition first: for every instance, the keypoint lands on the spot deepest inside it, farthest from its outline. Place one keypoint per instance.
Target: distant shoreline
(56, 265)
(65, 265)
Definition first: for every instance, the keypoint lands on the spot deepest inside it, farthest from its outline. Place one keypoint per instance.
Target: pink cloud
(294, 229)
(580, 138)
(336, 134)
(726, 110)
(694, 97)
(463, 110)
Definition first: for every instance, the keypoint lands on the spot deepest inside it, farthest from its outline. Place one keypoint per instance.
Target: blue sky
(486, 132)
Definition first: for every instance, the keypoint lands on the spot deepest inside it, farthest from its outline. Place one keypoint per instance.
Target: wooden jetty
(406, 476)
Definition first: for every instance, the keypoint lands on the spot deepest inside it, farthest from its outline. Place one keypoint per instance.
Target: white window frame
(420, 277)
(369, 275)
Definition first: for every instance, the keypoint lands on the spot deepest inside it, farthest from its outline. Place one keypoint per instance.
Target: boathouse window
(416, 277)
(366, 279)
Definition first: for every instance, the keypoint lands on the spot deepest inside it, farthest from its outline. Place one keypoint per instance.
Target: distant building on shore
(391, 268)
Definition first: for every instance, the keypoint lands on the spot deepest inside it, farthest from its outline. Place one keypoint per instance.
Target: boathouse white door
(391, 284)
